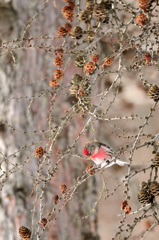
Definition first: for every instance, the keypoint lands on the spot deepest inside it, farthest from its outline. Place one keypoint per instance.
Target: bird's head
(90, 148)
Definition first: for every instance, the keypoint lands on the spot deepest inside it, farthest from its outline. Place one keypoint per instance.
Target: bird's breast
(97, 160)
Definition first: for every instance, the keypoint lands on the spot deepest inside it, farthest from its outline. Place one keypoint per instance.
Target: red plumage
(85, 151)
(102, 154)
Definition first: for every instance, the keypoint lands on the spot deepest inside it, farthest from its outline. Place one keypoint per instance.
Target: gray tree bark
(25, 103)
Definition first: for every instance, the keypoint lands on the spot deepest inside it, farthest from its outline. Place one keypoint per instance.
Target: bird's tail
(121, 163)
(112, 162)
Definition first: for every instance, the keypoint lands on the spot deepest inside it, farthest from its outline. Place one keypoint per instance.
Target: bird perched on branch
(101, 154)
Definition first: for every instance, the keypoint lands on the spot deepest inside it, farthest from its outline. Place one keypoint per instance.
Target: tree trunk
(28, 184)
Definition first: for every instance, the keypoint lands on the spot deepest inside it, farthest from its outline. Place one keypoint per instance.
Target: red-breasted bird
(101, 154)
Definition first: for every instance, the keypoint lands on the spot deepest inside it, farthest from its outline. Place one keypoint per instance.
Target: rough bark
(21, 115)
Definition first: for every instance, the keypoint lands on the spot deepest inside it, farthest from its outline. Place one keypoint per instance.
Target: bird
(101, 154)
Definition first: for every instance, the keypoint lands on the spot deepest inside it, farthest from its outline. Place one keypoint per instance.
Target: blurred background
(34, 114)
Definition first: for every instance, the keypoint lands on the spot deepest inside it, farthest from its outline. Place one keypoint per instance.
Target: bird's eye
(85, 151)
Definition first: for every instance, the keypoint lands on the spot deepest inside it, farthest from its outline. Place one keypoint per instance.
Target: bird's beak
(90, 157)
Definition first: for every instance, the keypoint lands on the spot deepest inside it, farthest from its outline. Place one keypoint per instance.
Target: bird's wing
(103, 153)
(109, 151)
